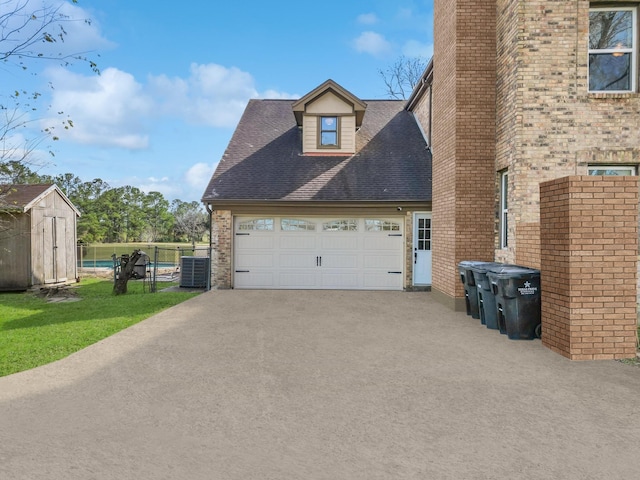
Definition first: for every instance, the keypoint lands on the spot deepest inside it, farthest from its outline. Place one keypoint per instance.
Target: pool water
(109, 264)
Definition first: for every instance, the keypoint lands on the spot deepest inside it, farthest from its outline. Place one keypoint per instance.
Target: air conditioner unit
(194, 272)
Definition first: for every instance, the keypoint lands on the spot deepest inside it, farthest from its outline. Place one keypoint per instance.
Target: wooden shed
(37, 237)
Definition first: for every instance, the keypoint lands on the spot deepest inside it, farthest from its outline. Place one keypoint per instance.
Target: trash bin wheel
(539, 331)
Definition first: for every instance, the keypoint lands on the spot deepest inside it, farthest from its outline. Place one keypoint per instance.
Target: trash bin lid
(469, 264)
(514, 271)
(484, 267)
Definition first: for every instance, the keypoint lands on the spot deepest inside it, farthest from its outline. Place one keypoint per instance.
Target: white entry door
(422, 249)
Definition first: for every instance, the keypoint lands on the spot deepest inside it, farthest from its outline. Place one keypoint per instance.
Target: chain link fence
(164, 261)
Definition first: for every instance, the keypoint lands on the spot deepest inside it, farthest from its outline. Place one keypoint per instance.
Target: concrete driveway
(319, 385)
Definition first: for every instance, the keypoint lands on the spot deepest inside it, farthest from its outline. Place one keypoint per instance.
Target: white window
(257, 224)
(295, 225)
(612, 49)
(504, 204)
(329, 132)
(340, 226)
(372, 225)
(612, 170)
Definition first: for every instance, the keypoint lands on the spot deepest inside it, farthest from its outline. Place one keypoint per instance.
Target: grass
(34, 332)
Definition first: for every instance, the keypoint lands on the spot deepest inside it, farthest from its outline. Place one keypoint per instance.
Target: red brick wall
(463, 131)
(528, 240)
(589, 239)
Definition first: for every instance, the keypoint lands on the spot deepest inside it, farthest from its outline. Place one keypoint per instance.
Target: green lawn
(34, 332)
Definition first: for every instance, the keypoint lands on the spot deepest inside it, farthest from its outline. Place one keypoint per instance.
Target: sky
(175, 77)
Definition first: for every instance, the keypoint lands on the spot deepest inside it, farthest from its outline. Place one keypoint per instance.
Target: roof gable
(357, 105)
(24, 197)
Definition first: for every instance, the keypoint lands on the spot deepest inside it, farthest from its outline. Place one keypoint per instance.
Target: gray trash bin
(517, 295)
(486, 298)
(465, 268)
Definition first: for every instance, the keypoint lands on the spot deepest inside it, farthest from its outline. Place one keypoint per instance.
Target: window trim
(504, 210)
(633, 168)
(633, 51)
(320, 131)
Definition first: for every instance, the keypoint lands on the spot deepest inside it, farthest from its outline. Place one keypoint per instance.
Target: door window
(424, 234)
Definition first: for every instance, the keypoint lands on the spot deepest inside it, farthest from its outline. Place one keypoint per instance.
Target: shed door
(54, 251)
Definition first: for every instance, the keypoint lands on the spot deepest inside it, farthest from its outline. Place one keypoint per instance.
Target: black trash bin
(465, 268)
(517, 295)
(486, 298)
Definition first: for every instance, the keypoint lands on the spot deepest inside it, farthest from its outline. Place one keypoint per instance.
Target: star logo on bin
(527, 285)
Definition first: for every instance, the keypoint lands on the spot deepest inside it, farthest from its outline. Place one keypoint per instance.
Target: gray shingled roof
(264, 160)
(17, 197)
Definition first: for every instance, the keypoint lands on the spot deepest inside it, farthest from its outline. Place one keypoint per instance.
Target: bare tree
(402, 76)
(30, 31)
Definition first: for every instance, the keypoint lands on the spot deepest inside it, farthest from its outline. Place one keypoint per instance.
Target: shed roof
(264, 159)
(23, 197)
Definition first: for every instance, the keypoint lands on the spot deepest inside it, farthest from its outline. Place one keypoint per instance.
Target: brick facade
(221, 241)
(589, 237)
(463, 131)
(548, 124)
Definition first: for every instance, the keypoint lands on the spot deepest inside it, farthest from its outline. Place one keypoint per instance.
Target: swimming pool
(109, 264)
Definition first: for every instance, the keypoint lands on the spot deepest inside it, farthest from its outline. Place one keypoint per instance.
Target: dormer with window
(329, 117)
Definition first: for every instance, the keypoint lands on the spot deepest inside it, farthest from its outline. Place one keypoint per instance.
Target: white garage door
(322, 253)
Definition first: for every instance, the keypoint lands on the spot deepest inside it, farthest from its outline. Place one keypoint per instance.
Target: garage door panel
(262, 259)
(297, 260)
(255, 241)
(298, 242)
(334, 241)
(340, 261)
(254, 279)
(383, 242)
(340, 280)
(298, 280)
(317, 258)
(382, 261)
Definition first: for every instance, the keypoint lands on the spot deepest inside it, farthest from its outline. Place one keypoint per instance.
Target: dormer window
(329, 132)
(329, 117)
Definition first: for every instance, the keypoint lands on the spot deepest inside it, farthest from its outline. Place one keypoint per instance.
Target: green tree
(191, 222)
(159, 220)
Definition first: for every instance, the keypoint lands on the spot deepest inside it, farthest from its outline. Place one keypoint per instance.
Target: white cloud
(106, 110)
(115, 110)
(212, 95)
(275, 95)
(198, 176)
(367, 19)
(413, 48)
(372, 43)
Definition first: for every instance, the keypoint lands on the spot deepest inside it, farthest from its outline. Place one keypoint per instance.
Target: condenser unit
(194, 272)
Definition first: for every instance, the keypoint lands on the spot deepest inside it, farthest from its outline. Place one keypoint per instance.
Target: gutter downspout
(209, 210)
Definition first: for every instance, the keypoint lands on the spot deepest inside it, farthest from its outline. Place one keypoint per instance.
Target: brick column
(589, 256)
(464, 135)
(221, 238)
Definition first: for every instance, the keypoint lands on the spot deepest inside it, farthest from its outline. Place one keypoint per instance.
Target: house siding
(329, 104)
